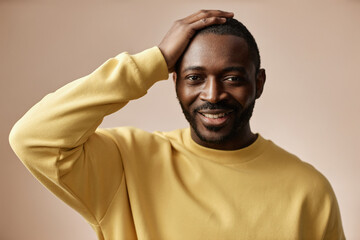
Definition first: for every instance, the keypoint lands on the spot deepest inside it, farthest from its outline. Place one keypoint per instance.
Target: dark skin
(217, 70)
(178, 37)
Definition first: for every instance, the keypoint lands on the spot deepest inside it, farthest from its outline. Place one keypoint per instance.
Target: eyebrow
(191, 68)
(227, 69)
(235, 69)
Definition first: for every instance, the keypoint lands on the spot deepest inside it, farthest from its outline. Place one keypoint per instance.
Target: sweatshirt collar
(226, 156)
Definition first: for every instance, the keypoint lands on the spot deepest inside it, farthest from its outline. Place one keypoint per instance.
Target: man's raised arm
(56, 138)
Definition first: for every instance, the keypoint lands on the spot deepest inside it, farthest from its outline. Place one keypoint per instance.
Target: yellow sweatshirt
(131, 184)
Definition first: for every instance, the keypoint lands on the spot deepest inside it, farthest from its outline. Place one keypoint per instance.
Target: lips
(214, 114)
(216, 117)
(219, 115)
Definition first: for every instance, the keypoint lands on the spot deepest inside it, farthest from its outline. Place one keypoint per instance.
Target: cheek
(243, 95)
(187, 95)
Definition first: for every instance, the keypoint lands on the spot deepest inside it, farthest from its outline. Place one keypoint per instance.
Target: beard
(242, 117)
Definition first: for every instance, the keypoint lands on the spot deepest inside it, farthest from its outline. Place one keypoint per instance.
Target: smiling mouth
(215, 115)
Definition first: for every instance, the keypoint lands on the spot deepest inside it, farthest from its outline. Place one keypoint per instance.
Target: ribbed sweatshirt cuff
(151, 63)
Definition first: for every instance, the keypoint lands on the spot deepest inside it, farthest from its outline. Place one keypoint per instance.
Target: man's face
(216, 85)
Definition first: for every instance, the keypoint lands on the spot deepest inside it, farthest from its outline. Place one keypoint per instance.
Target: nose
(213, 91)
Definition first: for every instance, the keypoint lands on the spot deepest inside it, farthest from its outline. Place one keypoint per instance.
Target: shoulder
(306, 189)
(300, 174)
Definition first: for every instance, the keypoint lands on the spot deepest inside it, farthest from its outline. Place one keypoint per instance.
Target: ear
(260, 82)
(174, 75)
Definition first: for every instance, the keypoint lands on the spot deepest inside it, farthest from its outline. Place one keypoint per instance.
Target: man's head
(217, 80)
(235, 28)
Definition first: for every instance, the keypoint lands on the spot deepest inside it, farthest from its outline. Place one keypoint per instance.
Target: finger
(204, 22)
(207, 14)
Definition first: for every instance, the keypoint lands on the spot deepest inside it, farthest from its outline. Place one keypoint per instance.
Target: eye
(234, 79)
(193, 77)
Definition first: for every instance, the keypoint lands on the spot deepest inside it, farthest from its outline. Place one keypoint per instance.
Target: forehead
(215, 52)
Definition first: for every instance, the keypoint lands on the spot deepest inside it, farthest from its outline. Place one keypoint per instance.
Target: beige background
(311, 50)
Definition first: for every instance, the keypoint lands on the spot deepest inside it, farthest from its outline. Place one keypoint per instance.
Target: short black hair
(236, 28)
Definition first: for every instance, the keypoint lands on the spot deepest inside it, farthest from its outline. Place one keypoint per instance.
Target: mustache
(218, 105)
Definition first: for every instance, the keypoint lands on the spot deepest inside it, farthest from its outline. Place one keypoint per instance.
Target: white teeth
(219, 115)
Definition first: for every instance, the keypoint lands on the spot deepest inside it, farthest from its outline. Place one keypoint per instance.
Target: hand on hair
(178, 37)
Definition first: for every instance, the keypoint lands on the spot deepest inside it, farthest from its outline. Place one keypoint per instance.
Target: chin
(214, 135)
(230, 131)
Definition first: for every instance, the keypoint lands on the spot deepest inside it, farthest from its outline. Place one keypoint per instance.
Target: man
(214, 180)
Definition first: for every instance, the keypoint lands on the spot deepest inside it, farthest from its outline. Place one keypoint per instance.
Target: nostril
(212, 92)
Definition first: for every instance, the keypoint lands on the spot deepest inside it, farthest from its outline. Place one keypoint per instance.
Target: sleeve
(57, 138)
(334, 229)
